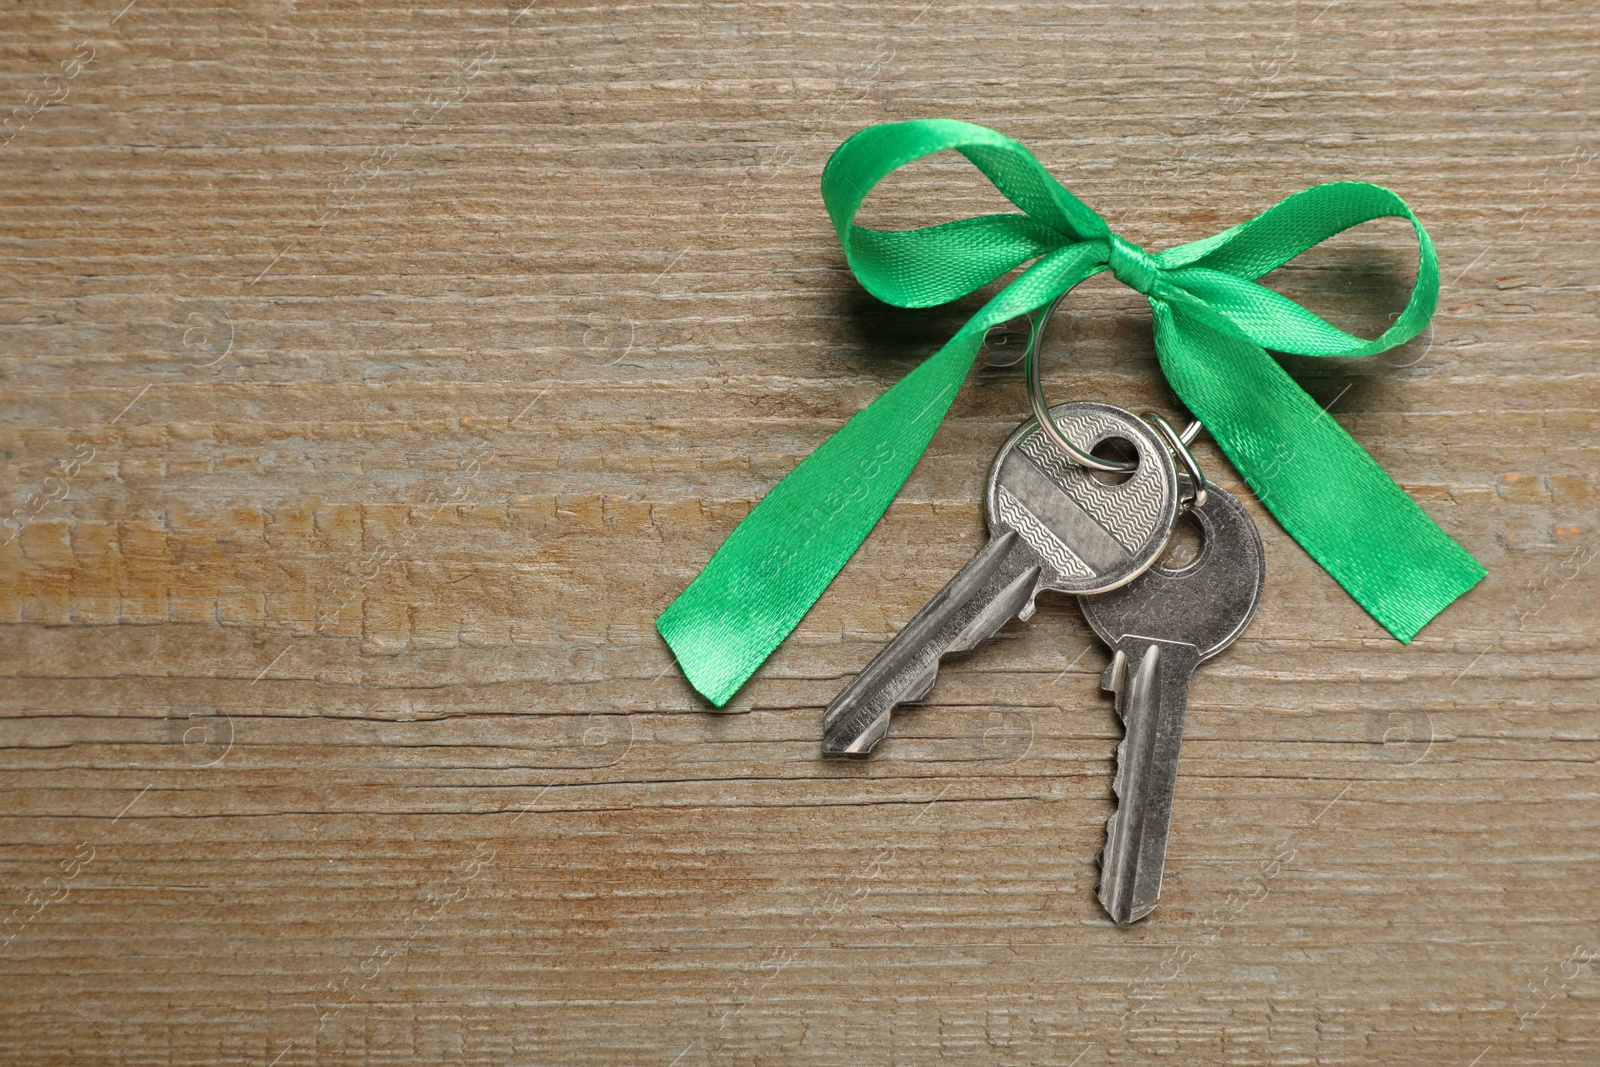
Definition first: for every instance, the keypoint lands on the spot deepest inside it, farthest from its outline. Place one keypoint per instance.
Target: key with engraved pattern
(1052, 525)
(1160, 627)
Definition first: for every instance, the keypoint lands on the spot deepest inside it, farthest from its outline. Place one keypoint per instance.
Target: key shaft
(1159, 628)
(998, 584)
(1051, 526)
(1152, 691)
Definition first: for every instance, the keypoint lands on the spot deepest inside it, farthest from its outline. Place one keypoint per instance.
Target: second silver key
(1052, 525)
(1160, 627)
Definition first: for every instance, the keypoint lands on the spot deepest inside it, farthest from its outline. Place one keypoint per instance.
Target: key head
(1207, 603)
(1092, 536)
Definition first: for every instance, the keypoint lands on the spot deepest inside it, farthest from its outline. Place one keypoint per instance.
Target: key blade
(997, 584)
(1152, 692)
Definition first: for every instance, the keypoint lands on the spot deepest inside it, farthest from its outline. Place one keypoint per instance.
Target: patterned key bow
(1213, 325)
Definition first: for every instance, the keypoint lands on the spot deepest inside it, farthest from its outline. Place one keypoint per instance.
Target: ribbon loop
(1212, 325)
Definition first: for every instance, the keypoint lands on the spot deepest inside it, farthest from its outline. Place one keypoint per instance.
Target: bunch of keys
(1053, 525)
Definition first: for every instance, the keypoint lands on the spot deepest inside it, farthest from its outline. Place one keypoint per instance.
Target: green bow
(1212, 325)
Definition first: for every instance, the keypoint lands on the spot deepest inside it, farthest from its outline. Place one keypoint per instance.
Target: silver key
(1052, 525)
(1160, 628)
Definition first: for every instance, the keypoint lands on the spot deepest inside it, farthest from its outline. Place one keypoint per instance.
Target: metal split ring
(1180, 448)
(1178, 442)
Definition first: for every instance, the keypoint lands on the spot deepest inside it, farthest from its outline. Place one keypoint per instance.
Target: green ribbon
(1213, 324)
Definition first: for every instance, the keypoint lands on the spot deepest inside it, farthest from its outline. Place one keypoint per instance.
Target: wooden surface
(375, 373)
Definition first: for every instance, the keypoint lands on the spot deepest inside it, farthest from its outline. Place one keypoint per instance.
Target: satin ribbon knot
(1133, 266)
(1213, 326)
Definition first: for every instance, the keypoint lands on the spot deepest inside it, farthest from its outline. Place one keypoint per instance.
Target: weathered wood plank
(374, 375)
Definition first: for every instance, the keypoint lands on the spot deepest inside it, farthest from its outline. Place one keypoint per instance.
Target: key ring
(1180, 448)
(1178, 442)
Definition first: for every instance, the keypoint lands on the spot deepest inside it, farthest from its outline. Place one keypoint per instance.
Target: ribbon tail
(777, 562)
(1328, 493)
(780, 558)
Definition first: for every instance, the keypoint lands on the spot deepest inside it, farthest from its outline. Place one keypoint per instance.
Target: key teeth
(1116, 673)
(1112, 684)
(1028, 609)
(1115, 682)
(1105, 890)
(1117, 780)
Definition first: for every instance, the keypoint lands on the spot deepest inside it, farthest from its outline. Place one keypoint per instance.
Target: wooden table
(374, 374)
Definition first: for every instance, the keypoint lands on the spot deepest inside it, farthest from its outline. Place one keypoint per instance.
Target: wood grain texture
(374, 374)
